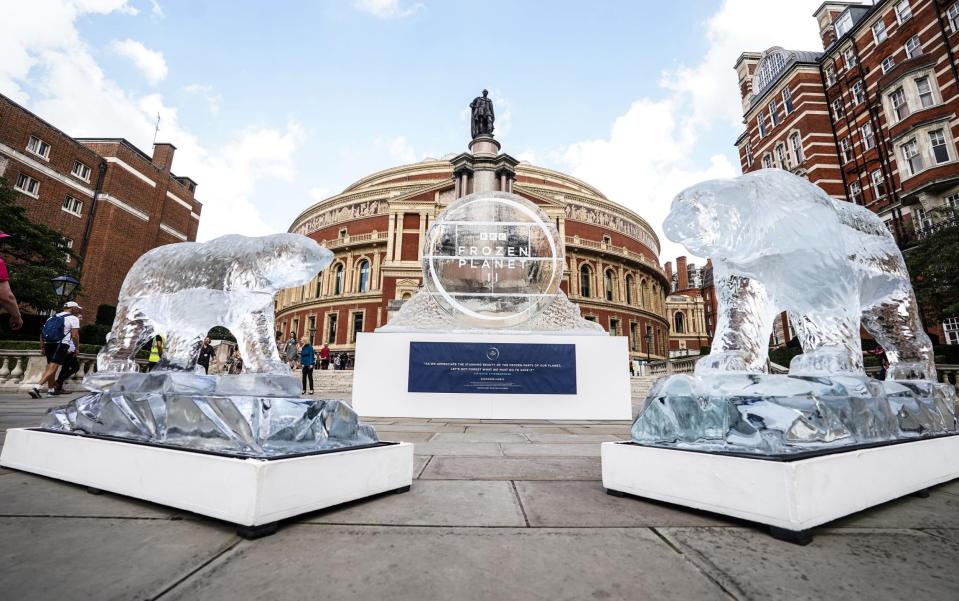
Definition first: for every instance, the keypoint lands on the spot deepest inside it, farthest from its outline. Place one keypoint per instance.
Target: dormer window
(843, 24)
(769, 68)
(39, 148)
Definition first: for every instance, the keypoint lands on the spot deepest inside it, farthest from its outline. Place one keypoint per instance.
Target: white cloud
(386, 9)
(68, 88)
(206, 92)
(647, 157)
(319, 193)
(156, 10)
(398, 149)
(150, 62)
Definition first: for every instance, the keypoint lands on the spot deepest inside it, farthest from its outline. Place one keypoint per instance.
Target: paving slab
(514, 428)
(550, 450)
(570, 438)
(873, 565)
(23, 494)
(938, 510)
(513, 468)
(586, 505)
(480, 436)
(405, 426)
(403, 436)
(434, 503)
(79, 558)
(607, 429)
(949, 487)
(466, 564)
(419, 462)
(951, 533)
(462, 449)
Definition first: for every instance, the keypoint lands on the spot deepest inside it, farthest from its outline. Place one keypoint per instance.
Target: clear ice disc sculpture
(181, 291)
(492, 261)
(779, 243)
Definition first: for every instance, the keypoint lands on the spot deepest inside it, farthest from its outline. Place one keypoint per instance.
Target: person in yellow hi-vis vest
(156, 351)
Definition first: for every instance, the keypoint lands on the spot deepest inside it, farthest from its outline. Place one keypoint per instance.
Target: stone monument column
(483, 168)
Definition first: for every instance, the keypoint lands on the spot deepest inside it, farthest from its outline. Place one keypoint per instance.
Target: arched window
(644, 294)
(608, 280)
(680, 322)
(769, 67)
(629, 289)
(585, 278)
(364, 285)
(338, 279)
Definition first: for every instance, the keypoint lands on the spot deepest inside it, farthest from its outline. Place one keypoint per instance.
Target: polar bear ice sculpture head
(733, 219)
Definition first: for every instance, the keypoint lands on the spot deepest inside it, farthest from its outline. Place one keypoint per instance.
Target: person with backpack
(70, 366)
(59, 334)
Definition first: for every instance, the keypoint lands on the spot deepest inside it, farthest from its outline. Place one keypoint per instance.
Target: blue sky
(274, 105)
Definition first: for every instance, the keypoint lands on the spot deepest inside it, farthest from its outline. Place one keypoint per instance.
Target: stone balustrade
(21, 369)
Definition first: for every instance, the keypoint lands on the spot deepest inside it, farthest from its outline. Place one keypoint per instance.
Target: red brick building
(112, 201)
(686, 309)
(872, 119)
(376, 229)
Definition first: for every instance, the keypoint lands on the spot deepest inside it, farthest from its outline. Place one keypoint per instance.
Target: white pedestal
(381, 374)
(249, 492)
(792, 495)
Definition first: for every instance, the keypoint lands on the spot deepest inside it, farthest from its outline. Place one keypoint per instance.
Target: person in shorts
(56, 348)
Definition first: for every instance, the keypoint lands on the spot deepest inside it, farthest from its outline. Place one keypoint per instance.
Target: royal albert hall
(376, 228)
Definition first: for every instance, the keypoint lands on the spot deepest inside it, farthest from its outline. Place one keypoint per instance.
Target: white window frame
(845, 150)
(761, 121)
(795, 142)
(950, 327)
(838, 110)
(911, 156)
(855, 192)
(787, 101)
(952, 15)
(879, 34)
(928, 93)
(30, 187)
(899, 92)
(72, 205)
(84, 171)
(773, 112)
(868, 136)
(876, 182)
(749, 155)
(858, 93)
(903, 11)
(767, 161)
(887, 64)
(38, 147)
(911, 46)
(830, 75)
(843, 24)
(782, 156)
(944, 145)
(849, 57)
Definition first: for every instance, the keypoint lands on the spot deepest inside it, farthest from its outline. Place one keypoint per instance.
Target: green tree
(34, 253)
(934, 267)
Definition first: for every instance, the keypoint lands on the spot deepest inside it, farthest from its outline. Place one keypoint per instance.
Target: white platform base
(792, 495)
(381, 374)
(249, 492)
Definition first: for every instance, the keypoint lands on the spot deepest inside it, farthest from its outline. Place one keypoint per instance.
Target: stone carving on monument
(482, 116)
(793, 450)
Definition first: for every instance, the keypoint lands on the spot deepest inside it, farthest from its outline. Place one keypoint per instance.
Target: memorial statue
(482, 115)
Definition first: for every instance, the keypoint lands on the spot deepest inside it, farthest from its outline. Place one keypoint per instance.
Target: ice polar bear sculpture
(182, 290)
(779, 243)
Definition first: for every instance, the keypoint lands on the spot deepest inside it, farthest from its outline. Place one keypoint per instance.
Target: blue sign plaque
(492, 368)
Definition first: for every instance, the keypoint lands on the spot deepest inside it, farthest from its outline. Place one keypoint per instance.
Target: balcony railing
(619, 251)
(354, 240)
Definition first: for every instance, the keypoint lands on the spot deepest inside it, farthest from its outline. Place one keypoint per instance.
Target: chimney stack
(668, 268)
(163, 155)
(683, 273)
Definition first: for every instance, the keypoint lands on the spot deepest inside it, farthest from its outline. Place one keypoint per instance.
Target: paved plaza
(498, 511)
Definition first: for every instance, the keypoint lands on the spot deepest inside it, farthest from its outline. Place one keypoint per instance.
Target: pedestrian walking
(204, 355)
(291, 351)
(8, 302)
(325, 356)
(58, 333)
(71, 364)
(156, 352)
(307, 361)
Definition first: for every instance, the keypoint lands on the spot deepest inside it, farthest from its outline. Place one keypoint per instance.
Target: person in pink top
(8, 302)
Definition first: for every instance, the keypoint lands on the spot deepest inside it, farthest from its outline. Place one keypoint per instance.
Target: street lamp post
(63, 287)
